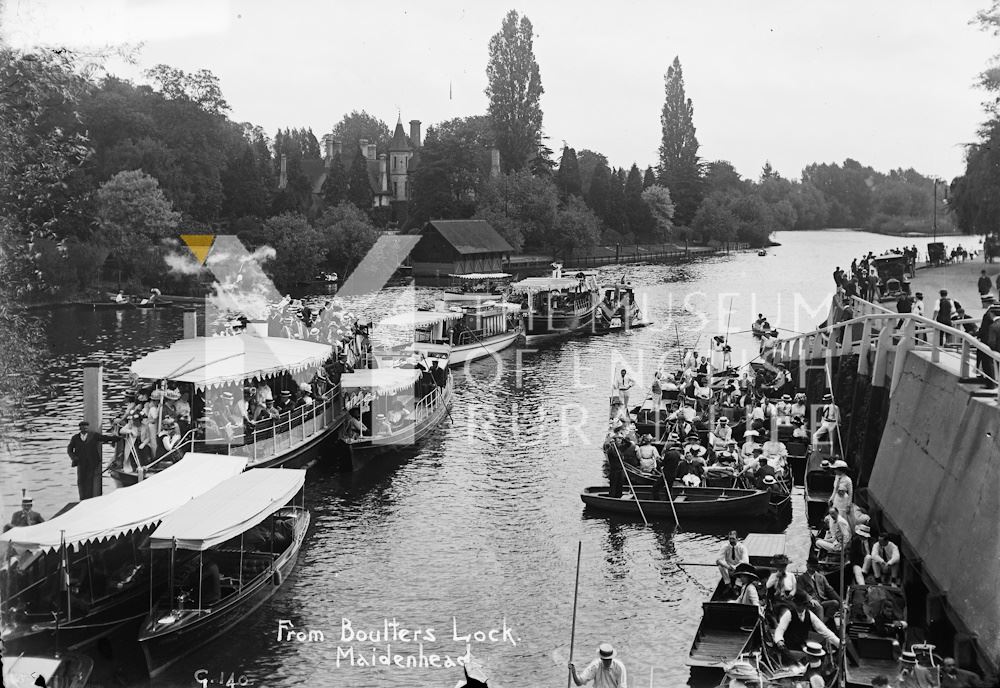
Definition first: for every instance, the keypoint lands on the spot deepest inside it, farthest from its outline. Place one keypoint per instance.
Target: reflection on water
(479, 528)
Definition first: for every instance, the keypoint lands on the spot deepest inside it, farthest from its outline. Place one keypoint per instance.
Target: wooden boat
(689, 502)
(462, 334)
(62, 670)
(245, 534)
(154, 303)
(618, 309)
(95, 544)
(413, 396)
(106, 305)
(874, 634)
(818, 488)
(727, 629)
(207, 367)
(475, 287)
(556, 306)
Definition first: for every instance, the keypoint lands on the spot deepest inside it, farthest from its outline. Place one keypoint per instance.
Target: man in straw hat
(605, 671)
(794, 625)
(829, 420)
(814, 656)
(26, 516)
(732, 554)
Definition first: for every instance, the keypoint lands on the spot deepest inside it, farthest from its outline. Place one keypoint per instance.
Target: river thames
(473, 537)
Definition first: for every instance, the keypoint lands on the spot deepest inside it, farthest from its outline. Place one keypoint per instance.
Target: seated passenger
(745, 584)
(647, 454)
(835, 535)
(794, 626)
(721, 434)
(780, 584)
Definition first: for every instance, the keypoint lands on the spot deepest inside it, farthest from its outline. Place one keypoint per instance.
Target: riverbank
(960, 279)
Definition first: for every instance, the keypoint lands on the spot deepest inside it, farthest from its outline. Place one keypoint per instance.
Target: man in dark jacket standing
(85, 454)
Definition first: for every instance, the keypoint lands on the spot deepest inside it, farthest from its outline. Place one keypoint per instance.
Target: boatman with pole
(605, 671)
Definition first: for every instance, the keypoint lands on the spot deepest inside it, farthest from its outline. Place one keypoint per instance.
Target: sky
(889, 83)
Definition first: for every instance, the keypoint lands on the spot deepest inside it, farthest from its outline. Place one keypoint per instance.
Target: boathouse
(449, 247)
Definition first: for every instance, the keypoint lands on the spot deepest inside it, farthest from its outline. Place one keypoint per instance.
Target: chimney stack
(283, 175)
(415, 133)
(372, 150)
(329, 150)
(494, 163)
(382, 174)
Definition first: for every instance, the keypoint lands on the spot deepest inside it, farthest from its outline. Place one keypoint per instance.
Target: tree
(334, 188)
(648, 178)
(568, 177)
(201, 87)
(575, 227)
(355, 126)
(359, 188)
(714, 221)
(588, 161)
(514, 91)
(599, 193)
(616, 219)
(131, 209)
(300, 249)
(720, 175)
(661, 207)
(454, 160)
(348, 236)
(680, 166)
(520, 206)
(640, 221)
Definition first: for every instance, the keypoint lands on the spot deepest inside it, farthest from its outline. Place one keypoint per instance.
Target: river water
(478, 528)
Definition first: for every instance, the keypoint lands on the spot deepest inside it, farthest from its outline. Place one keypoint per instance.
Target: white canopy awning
(536, 284)
(380, 380)
(482, 275)
(228, 509)
(420, 318)
(216, 361)
(129, 508)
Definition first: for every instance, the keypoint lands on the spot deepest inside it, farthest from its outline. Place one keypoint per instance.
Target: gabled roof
(470, 236)
(400, 141)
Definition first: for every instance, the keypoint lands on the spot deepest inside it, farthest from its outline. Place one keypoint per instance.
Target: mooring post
(93, 406)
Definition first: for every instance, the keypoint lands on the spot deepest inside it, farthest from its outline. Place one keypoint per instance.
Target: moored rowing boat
(688, 502)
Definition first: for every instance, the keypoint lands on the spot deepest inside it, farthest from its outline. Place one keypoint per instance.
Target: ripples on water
(482, 522)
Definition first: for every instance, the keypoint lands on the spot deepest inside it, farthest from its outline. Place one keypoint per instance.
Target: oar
(638, 502)
(576, 590)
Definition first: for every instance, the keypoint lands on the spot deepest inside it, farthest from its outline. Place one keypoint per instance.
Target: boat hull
(365, 452)
(688, 502)
(466, 353)
(164, 648)
(541, 328)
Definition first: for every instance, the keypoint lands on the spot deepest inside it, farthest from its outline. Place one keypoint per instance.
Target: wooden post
(905, 344)
(866, 343)
(93, 406)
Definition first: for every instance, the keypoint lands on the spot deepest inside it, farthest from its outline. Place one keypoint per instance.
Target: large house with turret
(390, 174)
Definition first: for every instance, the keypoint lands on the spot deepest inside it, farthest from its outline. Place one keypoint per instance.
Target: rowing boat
(727, 629)
(688, 502)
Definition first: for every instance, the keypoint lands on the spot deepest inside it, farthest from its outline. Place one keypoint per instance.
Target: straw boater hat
(839, 465)
(227, 395)
(786, 397)
(827, 397)
(769, 479)
(824, 464)
(673, 437)
(814, 649)
(606, 651)
(750, 433)
(724, 420)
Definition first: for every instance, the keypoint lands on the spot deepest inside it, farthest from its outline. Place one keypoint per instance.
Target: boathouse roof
(469, 236)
